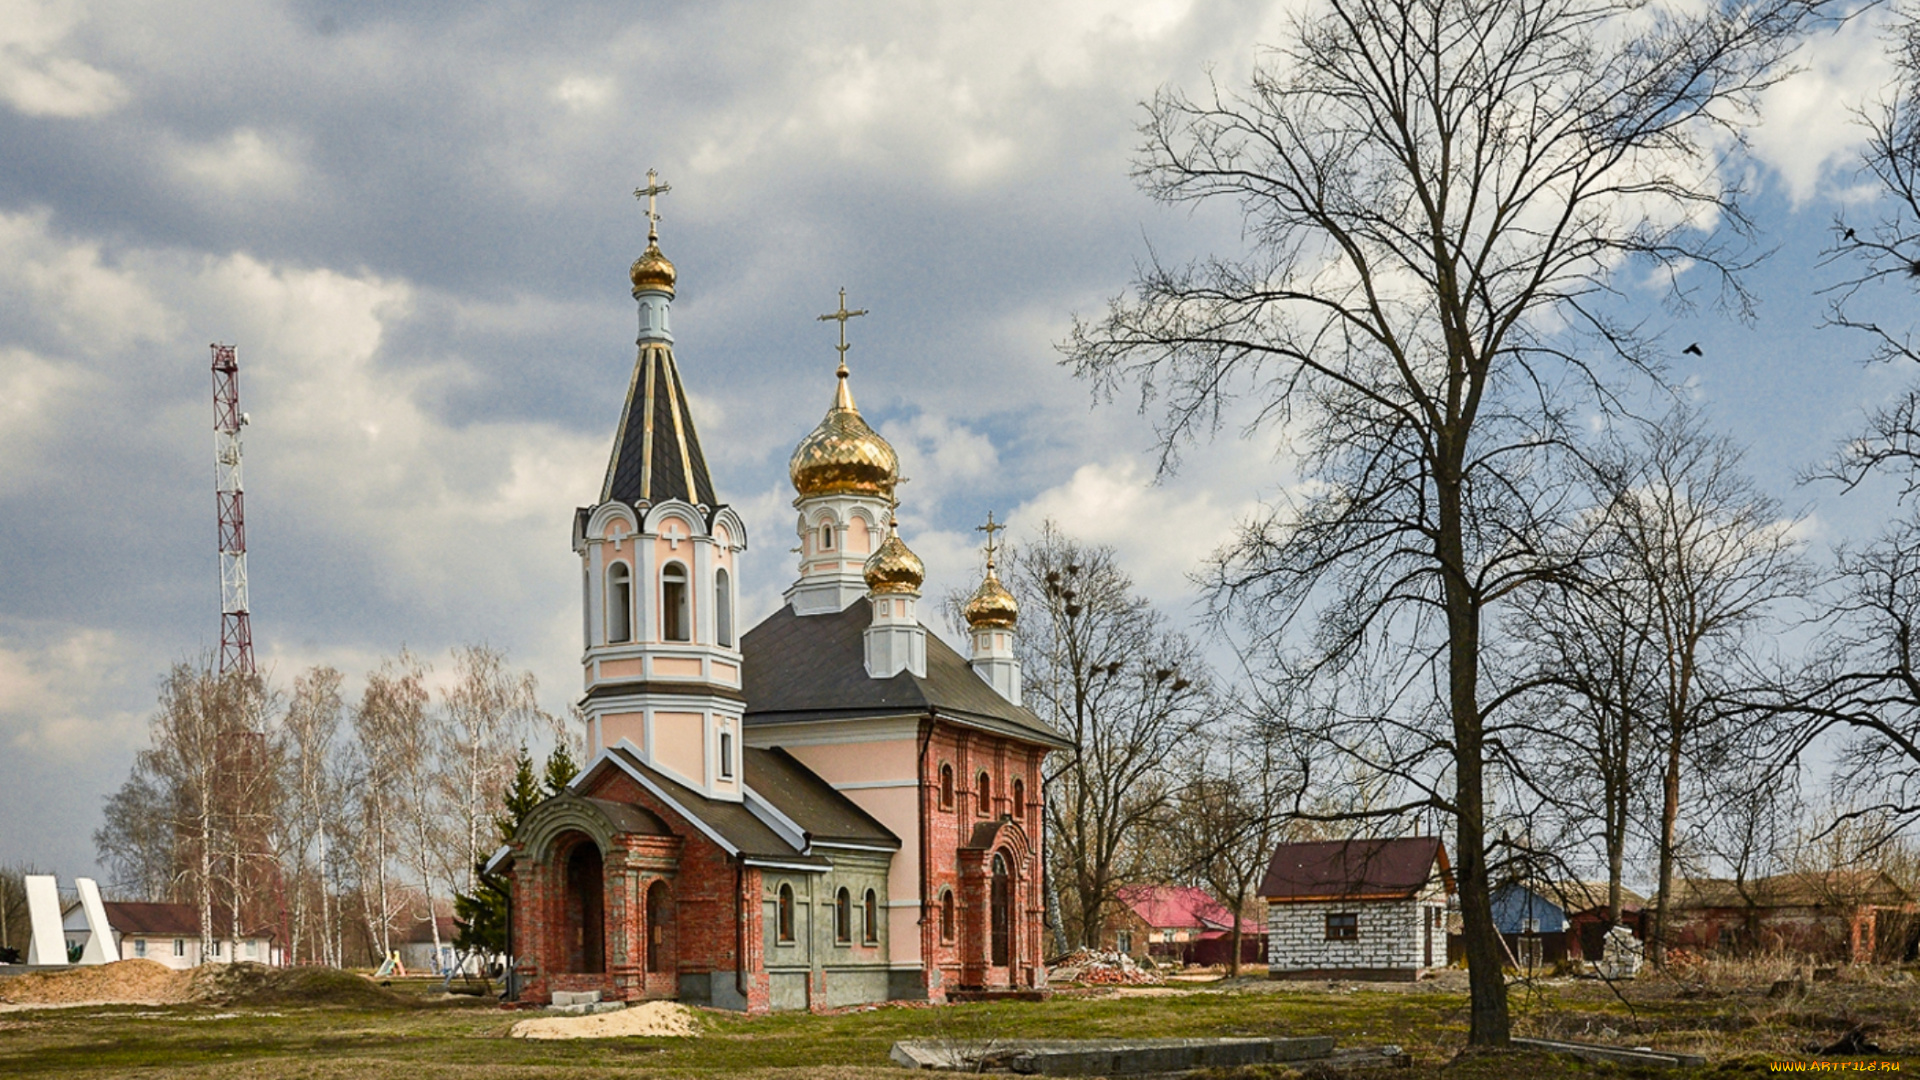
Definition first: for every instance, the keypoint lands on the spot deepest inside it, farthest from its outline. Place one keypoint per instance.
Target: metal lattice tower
(236, 632)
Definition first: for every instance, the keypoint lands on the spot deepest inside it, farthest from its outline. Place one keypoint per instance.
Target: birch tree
(386, 727)
(310, 755)
(490, 710)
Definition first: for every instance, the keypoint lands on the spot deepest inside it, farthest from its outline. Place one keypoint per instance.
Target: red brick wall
(963, 961)
(715, 904)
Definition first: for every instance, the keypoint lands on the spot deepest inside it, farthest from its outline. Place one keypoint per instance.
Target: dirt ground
(339, 1025)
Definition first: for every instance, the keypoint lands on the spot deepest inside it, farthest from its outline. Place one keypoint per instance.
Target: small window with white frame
(726, 755)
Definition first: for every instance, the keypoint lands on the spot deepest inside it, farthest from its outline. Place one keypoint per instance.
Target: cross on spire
(841, 317)
(654, 188)
(989, 528)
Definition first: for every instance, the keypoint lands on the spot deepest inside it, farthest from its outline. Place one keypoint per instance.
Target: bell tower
(660, 563)
(845, 474)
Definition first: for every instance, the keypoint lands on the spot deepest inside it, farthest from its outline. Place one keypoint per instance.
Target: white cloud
(583, 93)
(35, 78)
(1161, 533)
(68, 289)
(56, 693)
(1808, 129)
(244, 161)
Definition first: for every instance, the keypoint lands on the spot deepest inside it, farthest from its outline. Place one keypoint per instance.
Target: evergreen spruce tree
(561, 769)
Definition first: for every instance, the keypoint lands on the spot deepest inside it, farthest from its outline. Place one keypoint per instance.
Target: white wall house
(1357, 909)
(167, 934)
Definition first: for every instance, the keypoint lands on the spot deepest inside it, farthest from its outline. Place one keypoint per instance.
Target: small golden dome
(652, 270)
(894, 568)
(843, 455)
(991, 605)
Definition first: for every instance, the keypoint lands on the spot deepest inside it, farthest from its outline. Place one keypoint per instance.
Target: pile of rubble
(1091, 967)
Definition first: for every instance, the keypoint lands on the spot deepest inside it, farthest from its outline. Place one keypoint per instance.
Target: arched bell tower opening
(583, 909)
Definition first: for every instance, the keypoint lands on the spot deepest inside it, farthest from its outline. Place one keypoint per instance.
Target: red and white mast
(236, 632)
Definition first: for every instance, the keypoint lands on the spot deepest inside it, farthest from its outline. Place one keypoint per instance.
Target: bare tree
(1438, 194)
(16, 927)
(1227, 817)
(1863, 686)
(1709, 561)
(387, 759)
(490, 710)
(198, 786)
(1882, 257)
(310, 758)
(1102, 668)
(136, 839)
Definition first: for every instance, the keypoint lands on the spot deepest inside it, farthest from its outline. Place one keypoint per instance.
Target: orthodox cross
(654, 188)
(841, 317)
(989, 528)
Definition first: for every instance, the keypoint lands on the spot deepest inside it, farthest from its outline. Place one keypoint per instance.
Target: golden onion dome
(992, 606)
(894, 568)
(843, 455)
(652, 270)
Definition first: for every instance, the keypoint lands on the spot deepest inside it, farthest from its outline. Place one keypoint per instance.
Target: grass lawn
(1738, 1025)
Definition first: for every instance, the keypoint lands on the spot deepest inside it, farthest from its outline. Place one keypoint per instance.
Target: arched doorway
(1000, 917)
(659, 924)
(585, 910)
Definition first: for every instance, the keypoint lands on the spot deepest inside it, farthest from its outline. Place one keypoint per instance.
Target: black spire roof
(656, 454)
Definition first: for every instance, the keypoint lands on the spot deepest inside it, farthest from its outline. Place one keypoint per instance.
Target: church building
(833, 807)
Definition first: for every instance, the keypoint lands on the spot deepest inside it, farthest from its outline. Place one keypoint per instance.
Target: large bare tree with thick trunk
(1438, 196)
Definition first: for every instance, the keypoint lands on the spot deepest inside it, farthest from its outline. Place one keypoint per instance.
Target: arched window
(826, 536)
(983, 791)
(1019, 799)
(1000, 901)
(784, 922)
(946, 787)
(723, 609)
(870, 925)
(619, 603)
(842, 917)
(946, 915)
(674, 623)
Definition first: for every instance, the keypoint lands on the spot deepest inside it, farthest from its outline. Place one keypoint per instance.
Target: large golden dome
(991, 605)
(652, 270)
(894, 568)
(843, 456)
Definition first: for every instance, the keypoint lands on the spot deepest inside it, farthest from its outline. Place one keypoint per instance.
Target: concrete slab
(1620, 1055)
(565, 998)
(49, 943)
(100, 946)
(1104, 1057)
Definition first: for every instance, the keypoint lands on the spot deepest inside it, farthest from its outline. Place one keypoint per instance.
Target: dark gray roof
(813, 667)
(810, 802)
(734, 823)
(1361, 868)
(652, 469)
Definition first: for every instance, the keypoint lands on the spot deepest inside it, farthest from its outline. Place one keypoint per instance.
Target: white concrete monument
(49, 944)
(99, 948)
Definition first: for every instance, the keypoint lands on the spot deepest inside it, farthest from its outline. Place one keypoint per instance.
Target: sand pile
(130, 982)
(646, 1018)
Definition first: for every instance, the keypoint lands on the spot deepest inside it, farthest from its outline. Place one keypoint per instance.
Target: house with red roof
(1180, 924)
(170, 934)
(1364, 908)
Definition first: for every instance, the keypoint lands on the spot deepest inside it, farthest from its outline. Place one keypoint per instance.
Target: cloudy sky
(416, 222)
